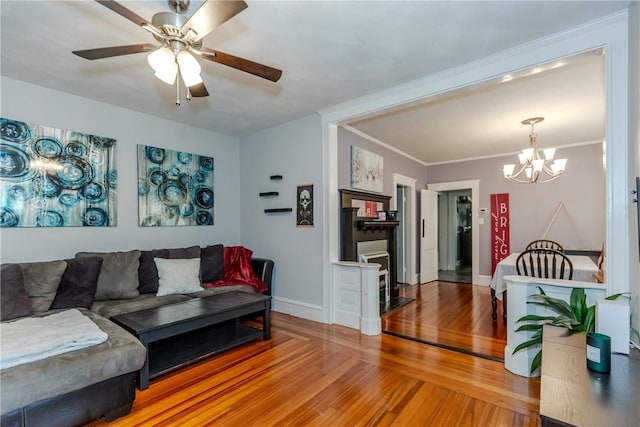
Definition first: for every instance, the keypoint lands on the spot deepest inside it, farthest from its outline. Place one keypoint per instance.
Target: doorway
(470, 189)
(454, 236)
(403, 200)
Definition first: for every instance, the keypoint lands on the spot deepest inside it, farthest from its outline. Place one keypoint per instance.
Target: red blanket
(238, 270)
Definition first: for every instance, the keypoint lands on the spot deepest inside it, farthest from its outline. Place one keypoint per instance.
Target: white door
(401, 266)
(428, 236)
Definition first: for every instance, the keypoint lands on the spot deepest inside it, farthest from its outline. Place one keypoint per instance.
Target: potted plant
(575, 316)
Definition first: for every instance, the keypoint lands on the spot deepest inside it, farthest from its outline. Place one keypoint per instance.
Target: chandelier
(533, 167)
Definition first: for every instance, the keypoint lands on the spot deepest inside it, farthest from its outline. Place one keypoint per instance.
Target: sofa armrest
(264, 270)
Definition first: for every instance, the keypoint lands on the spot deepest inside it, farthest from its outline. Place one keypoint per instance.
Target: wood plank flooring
(453, 315)
(312, 374)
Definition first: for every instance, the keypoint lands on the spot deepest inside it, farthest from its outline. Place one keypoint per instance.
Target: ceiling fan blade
(260, 70)
(107, 52)
(123, 11)
(198, 91)
(131, 16)
(209, 16)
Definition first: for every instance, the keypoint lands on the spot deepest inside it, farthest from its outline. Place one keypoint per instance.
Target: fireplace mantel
(356, 229)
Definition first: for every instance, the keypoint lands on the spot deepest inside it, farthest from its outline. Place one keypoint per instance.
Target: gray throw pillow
(212, 263)
(118, 277)
(13, 296)
(185, 253)
(41, 280)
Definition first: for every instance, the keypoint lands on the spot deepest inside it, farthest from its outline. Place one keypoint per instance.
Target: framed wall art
(366, 170)
(304, 208)
(53, 177)
(175, 188)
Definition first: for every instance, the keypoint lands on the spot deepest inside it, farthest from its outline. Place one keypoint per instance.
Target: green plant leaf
(589, 323)
(565, 322)
(532, 327)
(535, 318)
(577, 302)
(557, 305)
(536, 362)
(529, 343)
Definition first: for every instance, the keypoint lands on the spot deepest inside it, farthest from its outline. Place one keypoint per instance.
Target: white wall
(293, 150)
(43, 106)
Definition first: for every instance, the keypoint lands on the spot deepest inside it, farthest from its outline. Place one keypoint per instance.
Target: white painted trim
(382, 144)
(484, 280)
(410, 226)
(298, 309)
(474, 185)
(331, 217)
(610, 32)
(513, 153)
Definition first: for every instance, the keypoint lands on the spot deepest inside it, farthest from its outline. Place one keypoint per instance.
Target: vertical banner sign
(500, 246)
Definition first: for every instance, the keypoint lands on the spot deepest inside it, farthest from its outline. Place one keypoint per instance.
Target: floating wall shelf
(275, 177)
(276, 210)
(269, 193)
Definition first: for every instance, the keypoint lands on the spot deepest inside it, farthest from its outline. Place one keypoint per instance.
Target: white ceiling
(330, 52)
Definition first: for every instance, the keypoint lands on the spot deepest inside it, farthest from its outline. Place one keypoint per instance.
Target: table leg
(504, 306)
(143, 373)
(494, 305)
(266, 322)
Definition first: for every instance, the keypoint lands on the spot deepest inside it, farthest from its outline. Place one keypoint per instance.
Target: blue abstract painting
(174, 188)
(55, 178)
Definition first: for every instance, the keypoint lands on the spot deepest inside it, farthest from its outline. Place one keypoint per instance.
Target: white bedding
(36, 338)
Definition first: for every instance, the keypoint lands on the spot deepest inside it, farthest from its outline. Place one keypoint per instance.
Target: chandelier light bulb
(562, 163)
(549, 153)
(527, 154)
(508, 169)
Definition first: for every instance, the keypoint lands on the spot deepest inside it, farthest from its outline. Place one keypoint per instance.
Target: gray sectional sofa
(79, 386)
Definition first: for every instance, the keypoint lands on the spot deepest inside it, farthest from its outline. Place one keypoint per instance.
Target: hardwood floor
(452, 315)
(312, 374)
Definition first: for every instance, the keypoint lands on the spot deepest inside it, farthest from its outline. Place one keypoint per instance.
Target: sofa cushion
(178, 276)
(184, 253)
(41, 280)
(79, 283)
(147, 272)
(43, 379)
(13, 296)
(212, 263)
(118, 275)
(110, 308)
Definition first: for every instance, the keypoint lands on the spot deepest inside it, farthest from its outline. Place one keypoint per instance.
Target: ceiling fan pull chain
(178, 92)
(188, 94)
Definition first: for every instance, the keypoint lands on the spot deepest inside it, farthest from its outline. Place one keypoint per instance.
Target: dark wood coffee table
(178, 334)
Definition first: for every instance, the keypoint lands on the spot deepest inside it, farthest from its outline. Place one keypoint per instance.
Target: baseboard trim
(484, 280)
(298, 309)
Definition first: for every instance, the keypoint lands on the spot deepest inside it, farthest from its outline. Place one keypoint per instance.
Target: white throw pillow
(178, 276)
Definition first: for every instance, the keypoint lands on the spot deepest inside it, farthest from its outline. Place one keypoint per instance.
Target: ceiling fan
(180, 37)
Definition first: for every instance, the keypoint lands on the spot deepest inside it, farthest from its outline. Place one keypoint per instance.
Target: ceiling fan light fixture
(189, 68)
(168, 74)
(161, 58)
